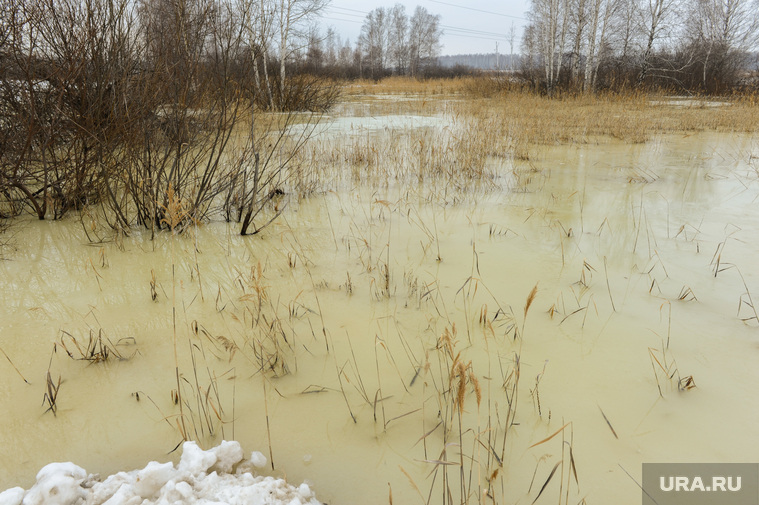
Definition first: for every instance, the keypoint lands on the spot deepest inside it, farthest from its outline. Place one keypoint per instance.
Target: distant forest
(698, 46)
(692, 46)
(490, 61)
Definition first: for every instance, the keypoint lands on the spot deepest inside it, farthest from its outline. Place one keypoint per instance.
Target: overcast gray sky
(470, 26)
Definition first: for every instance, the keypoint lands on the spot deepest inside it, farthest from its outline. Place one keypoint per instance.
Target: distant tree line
(705, 46)
(482, 61)
(391, 43)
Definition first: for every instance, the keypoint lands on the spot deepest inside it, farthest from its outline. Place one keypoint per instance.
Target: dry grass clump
(488, 120)
(455, 156)
(489, 86)
(523, 118)
(479, 86)
(97, 348)
(498, 117)
(526, 118)
(398, 85)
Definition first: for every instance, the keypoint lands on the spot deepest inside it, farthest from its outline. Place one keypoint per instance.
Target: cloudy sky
(470, 26)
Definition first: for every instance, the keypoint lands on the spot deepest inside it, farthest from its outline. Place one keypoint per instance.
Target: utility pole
(497, 63)
(512, 33)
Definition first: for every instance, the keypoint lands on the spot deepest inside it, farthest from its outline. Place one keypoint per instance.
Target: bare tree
(579, 14)
(315, 54)
(332, 47)
(640, 42)
(601, 14)
(292, 15)
(259, 30)
(373, 40)
(398, 38)
(720, 33)
(626, 23)
(345, 54)
(549, 21)
(424, 39)
(656, 18)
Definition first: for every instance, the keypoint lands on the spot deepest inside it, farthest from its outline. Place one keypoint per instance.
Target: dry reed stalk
(268, 426)
(528, 303)
(95, 350)
(608, 286)
(13, 365)
(51, 393)
(173, 216)
(608, 423)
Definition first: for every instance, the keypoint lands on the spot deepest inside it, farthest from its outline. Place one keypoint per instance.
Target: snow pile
(217, 476)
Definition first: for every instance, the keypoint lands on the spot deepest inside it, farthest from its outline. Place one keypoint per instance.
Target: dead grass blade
(411, 481)
(51, 396)
(550, 437)
(572, 314)
(428, 433)
(653, 356)
(14, 366)
(439, 462)
(550, 476)
(686, 383)
(97, 349)
(608, 287)
(400, 416)
(608, 423)
(686, 295)
(573, 466)
(490, 449)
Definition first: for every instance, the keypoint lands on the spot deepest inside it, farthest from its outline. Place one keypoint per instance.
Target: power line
(347, 9)
(343, 20)
(474, 37)
(471, 31)
(453, 31)
(448, 28)
(478, 10)
(338, 13)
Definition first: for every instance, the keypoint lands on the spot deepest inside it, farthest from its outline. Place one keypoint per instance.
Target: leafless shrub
(133, 106)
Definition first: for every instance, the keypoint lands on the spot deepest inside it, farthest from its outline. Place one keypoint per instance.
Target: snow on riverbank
(217, 476)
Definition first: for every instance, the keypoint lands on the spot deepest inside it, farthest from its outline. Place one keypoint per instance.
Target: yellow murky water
(339, 326)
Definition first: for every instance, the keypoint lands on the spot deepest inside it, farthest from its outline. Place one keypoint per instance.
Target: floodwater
(328, 341)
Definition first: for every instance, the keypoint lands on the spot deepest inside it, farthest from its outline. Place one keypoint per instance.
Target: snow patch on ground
(217, 476)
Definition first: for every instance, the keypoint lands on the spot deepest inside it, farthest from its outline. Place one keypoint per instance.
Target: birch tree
(373, 40)
(398, 38)
(549, 19)
(293, 14)
(602, 12)
(424, 38)
(721, 33)
(656, 17)
(580, 12)
(260, 31)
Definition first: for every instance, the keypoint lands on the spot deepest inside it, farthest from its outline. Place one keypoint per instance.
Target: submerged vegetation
(465, 315)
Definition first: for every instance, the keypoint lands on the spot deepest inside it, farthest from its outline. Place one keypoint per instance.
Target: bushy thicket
(134, 107)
